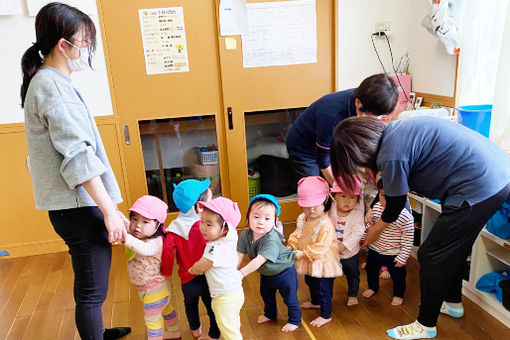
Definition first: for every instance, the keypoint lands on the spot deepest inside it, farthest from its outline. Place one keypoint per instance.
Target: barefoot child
(391, 249)
(185, 242)
(218, 223)
(271, 258)
(316, 246)
(349, 227)
(144, 244)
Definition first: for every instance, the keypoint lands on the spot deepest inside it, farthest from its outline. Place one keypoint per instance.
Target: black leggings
(85, 234)
(443, 254)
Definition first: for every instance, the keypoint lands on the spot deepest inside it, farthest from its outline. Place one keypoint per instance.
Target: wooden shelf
(504, 243)
(500, 254)
(152, 128)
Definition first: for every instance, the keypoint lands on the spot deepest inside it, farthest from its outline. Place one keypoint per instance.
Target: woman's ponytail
(30, 63)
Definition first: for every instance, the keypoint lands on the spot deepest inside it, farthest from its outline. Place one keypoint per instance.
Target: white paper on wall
(86, 6)
(164, 40)
(10, 7)
(280, 33)
(233, 17)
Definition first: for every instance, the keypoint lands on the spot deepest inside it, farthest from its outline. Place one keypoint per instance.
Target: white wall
(17, 33)
(432, 69)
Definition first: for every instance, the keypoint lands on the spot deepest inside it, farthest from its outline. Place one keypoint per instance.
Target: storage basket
(254, 184)
(208, 157)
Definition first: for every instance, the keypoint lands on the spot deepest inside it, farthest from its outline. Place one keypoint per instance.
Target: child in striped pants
(391, 249)
(144, 245)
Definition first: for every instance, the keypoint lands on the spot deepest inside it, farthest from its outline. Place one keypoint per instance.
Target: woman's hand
(115, 227)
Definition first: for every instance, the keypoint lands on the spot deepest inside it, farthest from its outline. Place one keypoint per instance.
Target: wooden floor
(36, 302)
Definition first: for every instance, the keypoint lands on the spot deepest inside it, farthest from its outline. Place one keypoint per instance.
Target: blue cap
(187, 192)
(267, 197)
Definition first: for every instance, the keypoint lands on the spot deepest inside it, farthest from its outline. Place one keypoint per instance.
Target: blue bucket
(476, 117)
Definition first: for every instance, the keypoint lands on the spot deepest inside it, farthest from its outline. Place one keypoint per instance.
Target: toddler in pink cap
(218, 223)
(348, 219)
(316, 246)
(144, 244)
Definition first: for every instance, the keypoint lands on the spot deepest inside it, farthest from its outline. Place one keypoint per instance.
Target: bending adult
(71, 176)
(438, 159)
(308, 141)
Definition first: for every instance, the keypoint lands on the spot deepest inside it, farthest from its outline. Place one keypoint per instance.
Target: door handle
(230, 121)
(127, 137)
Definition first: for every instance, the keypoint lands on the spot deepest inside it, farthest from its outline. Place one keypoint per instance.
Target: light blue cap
(267, 197)
(187, 192)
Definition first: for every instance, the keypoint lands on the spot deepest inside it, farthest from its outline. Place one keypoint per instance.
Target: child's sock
(452, 310)
(413, 330)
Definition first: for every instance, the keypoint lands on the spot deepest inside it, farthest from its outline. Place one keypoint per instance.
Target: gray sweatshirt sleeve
(73, 137)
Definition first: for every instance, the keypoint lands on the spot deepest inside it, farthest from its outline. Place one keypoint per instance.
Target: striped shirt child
(397, 238)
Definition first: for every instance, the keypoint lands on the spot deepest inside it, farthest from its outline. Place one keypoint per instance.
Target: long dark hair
(355, 144)
(53, 22)
(378, 94)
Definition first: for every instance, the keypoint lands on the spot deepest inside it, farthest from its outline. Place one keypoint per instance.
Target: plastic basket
(476, 117)
(208, 157)
(254, 185)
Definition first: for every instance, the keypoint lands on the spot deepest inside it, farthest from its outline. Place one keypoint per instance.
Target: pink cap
(340, 187)
(312, 191)
(224, 207)
(150, 207)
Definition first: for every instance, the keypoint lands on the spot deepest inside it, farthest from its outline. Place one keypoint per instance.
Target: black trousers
(443, 254)
(321, 293)
(194, 290)
(398, 274)
(350, 268)
(85, 234)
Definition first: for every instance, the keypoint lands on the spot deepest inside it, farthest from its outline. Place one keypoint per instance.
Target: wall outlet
(383, 26)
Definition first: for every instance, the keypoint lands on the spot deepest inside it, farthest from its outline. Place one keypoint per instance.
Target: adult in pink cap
(144, 245)
(348, 219)
(218, 222)
(316, 246)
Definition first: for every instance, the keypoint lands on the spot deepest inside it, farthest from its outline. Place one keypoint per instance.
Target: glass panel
(176, 149)
(269, 168)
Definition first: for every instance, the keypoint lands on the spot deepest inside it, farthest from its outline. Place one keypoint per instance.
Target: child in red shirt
(185, 242)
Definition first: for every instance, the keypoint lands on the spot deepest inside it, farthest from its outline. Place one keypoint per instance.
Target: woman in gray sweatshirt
(71, 176)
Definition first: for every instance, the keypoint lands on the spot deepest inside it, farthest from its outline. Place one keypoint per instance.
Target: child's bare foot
(262, 318)
(309, 305)
(172, 335)
(319, 321)
(396, 301)
(289, 328)
(385, 275)
(368, 293)
(352, 301)
(197, 333)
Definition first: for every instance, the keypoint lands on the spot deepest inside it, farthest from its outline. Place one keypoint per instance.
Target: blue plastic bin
(476, 117)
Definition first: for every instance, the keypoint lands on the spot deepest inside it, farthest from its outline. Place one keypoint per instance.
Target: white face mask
(80, 64)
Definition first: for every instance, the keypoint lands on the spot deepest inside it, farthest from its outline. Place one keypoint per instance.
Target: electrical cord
(392, 62)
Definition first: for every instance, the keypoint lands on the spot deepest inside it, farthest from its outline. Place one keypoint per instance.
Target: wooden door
(148, 104)
(261, 94)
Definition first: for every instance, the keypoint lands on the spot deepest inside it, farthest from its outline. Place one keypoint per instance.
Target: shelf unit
(490, 253)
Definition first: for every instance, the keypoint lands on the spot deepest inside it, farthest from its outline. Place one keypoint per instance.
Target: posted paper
(10, 7)
(86, 6)
(280, 33)
(233, 17)
(164, 40)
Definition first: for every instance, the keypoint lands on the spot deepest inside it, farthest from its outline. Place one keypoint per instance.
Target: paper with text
(280, 33)
(233, 17)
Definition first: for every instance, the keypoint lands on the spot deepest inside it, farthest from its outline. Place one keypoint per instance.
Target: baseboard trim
(34, 248)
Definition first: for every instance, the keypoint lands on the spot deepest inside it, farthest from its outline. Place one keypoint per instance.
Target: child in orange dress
(316, 246)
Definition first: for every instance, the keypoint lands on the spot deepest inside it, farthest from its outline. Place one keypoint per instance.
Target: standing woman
(71, 175)
(438, 159)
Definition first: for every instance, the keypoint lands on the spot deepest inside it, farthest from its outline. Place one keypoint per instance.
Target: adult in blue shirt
(309, 138)
(438, 159)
